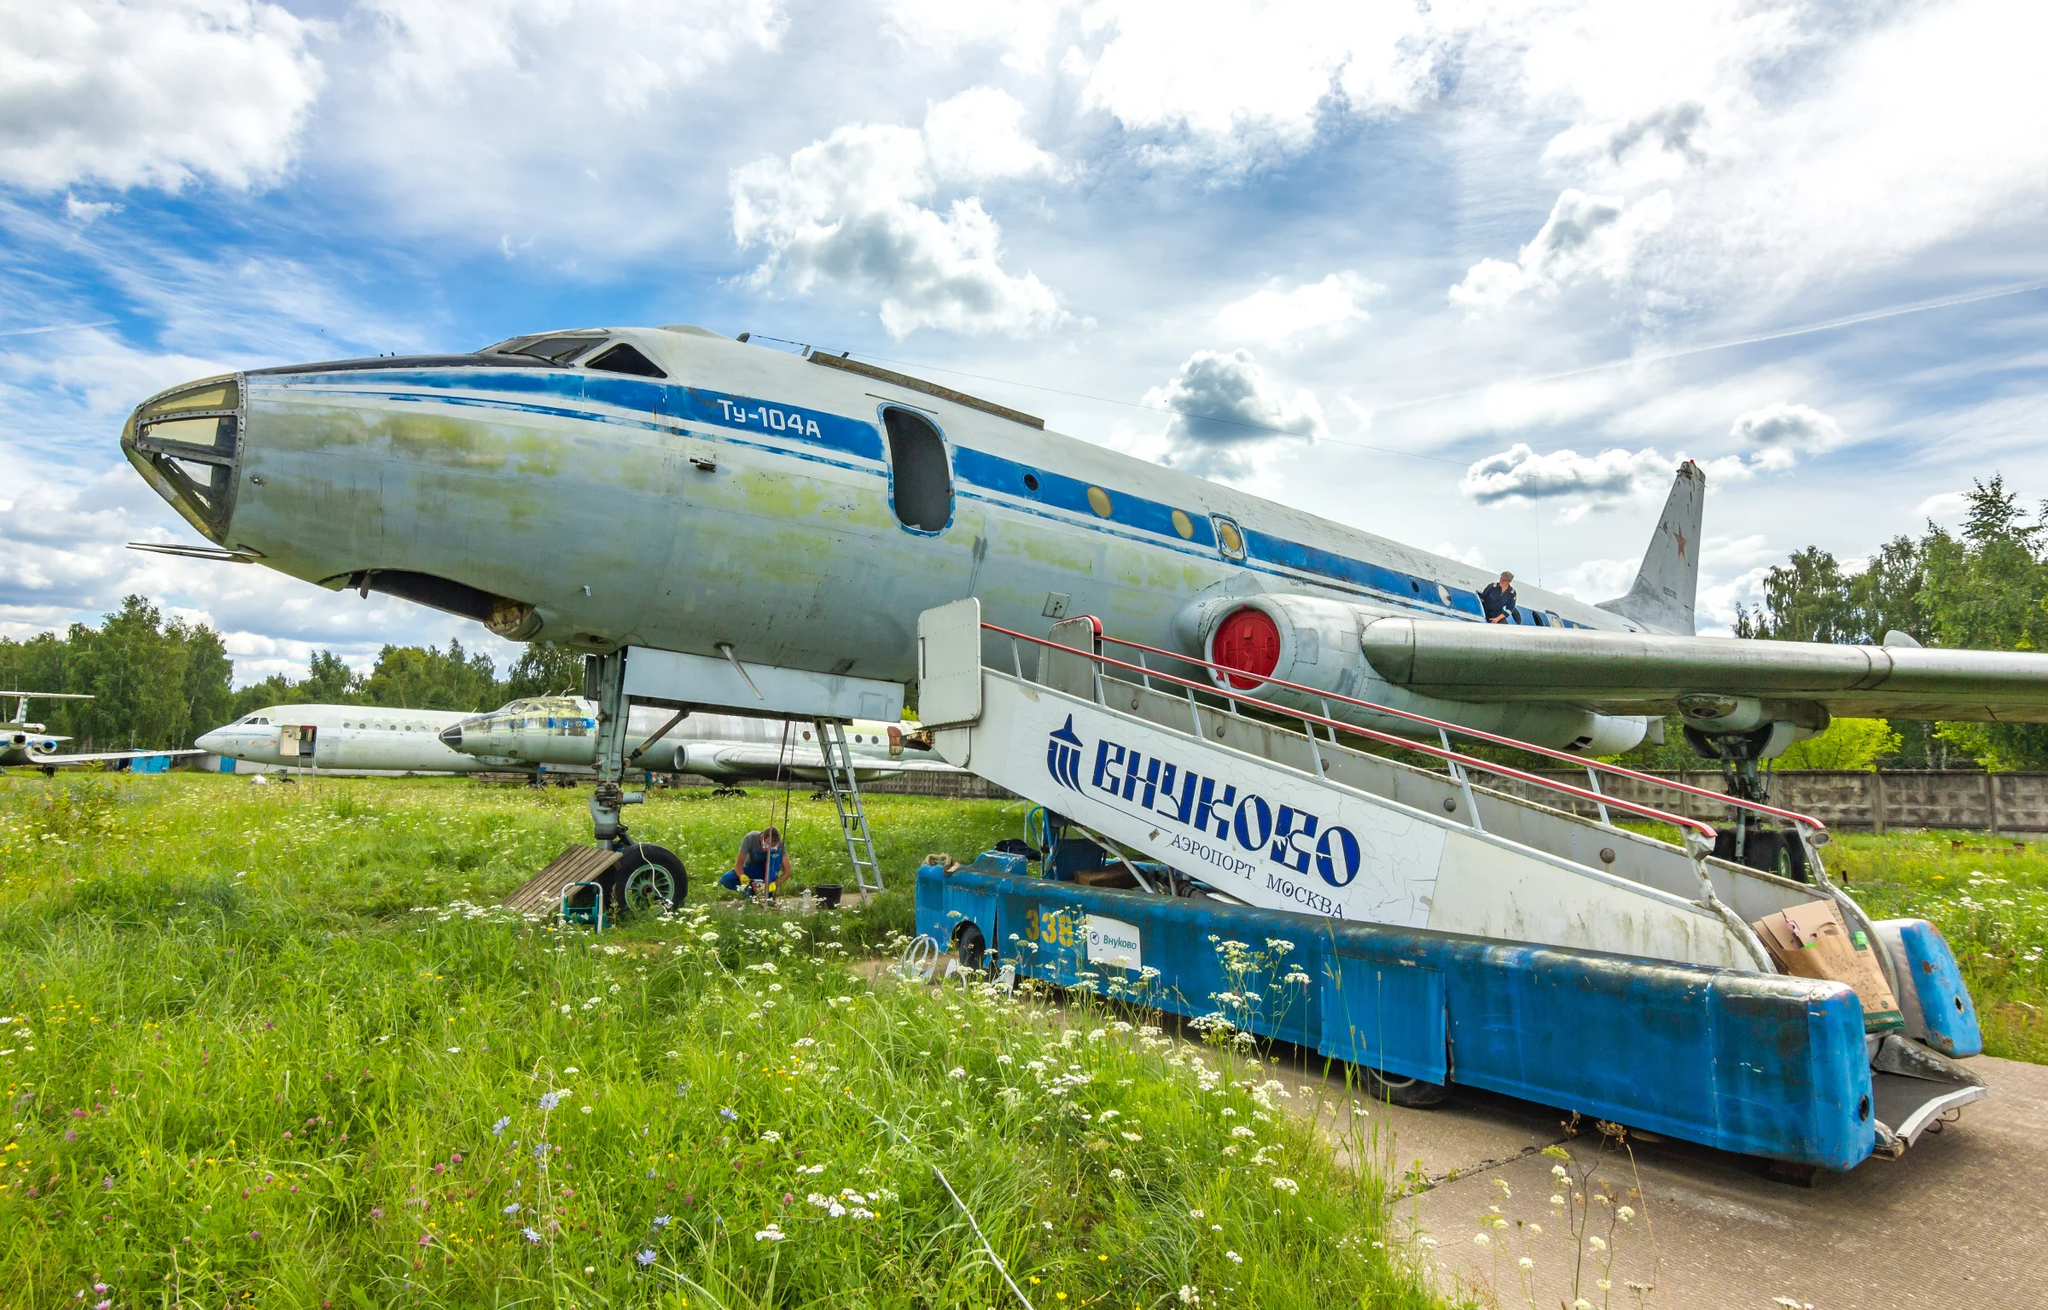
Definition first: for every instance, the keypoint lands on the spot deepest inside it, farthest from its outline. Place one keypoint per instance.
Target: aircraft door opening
(920, 477)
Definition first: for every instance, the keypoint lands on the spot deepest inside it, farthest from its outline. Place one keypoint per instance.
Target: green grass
(265, 1050)
(1989, 897)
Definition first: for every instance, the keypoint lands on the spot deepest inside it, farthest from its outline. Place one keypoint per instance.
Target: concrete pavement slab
(1961, 1220)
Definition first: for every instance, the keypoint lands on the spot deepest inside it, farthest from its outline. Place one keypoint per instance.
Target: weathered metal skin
(746, 498)
(1760, 1064)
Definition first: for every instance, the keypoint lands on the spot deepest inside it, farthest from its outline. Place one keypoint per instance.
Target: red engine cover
(1247, 640)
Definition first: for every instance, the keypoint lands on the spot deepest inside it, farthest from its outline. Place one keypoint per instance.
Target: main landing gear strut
(1747, 840)
(644, 876)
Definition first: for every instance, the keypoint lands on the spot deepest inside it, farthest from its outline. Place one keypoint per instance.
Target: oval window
(1184, 525)
(1229, 539)
(1030, 482)
(1098, 500)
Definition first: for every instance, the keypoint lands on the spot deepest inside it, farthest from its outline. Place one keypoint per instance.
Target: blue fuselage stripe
(667, 405)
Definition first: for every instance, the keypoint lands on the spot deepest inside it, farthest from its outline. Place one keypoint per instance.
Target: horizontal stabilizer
(1640, 672)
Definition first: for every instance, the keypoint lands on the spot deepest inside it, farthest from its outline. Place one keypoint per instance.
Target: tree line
(157, 683)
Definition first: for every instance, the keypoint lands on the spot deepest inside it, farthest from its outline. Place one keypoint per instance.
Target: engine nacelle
(1314, 642)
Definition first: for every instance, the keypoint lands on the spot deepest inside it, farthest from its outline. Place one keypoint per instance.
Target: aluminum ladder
(853, 816)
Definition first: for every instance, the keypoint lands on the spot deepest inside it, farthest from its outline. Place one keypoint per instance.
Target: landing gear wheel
(1411, 1092)
(650, 878)
(971, 947)
(1773, 852)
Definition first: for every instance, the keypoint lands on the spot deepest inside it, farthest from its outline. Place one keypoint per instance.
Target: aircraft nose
(187, 444)
(451, 736)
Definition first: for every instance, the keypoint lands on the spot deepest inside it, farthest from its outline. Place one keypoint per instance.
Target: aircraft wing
(1648, 673)
(43, 761)
(763, 760)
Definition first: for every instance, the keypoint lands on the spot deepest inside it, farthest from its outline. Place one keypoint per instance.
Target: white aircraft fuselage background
(385, 739)
(746, 499)
(561, 731)
(370, 738)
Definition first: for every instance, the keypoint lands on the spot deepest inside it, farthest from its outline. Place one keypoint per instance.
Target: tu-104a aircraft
(30, 744)
(675, 489)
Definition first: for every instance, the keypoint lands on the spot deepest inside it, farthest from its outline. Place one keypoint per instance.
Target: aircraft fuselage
(756, 500)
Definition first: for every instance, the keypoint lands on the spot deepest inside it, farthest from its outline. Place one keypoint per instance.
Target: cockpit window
(623, 358)
(555, 348)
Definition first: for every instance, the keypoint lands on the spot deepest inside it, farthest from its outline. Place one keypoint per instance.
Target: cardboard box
(1811, 941)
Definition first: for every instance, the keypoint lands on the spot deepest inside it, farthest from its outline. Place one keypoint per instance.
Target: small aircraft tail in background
(22, 742)
(1669, 580)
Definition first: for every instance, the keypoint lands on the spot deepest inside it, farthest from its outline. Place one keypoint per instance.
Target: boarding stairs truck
(1290, 878)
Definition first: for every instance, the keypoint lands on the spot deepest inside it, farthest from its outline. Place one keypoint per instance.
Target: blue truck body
(1760, 1064)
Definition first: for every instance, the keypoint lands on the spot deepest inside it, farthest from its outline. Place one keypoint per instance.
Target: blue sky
(1471, 269)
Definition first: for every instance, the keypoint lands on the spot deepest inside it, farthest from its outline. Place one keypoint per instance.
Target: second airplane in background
(561, 731)
(554, 734)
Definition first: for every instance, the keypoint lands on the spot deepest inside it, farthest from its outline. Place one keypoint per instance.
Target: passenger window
(1229, 538)
(623, 358)
(920, 482)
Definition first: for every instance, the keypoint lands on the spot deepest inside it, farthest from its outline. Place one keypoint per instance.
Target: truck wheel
(970, 946)
(1412, 1092)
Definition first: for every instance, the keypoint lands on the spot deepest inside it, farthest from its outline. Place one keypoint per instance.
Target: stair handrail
(1488, 737)
(1681, 821)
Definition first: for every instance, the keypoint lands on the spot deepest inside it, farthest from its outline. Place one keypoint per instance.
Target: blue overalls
(766, 866)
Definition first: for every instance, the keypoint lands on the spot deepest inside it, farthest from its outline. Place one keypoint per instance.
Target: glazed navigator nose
(187, 444)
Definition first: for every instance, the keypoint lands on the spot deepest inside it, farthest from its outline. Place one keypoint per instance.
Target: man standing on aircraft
(761, 859)
(1499, 600)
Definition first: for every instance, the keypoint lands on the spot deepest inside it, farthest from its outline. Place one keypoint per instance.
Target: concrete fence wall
(954, 786)
(1877, 802)
(1873, 801)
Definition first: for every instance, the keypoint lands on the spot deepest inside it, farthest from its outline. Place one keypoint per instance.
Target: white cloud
(1228, 414)
(87, 212)
(625, 55)
(1327, 308)
(1519, 473)
(1227, 76)
(1022, 28)
(1585, 235)
(158, 94)
(850, 209)
(1785, 432)
(979, 134)
(1943, 507)
(1596, 580)
(1793, 143)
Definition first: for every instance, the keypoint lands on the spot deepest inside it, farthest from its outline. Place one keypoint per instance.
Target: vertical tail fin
(1668, 583)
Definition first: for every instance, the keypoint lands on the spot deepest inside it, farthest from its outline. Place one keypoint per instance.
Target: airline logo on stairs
(1254, 830)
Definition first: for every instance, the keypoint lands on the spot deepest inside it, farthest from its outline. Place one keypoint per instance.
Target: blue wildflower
(661, 1221)
(498, 1128)
(549, 1100)
(530, 1235)
(728, 1115)
(512, 1208)
(645, 1258)
(540, 1150)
